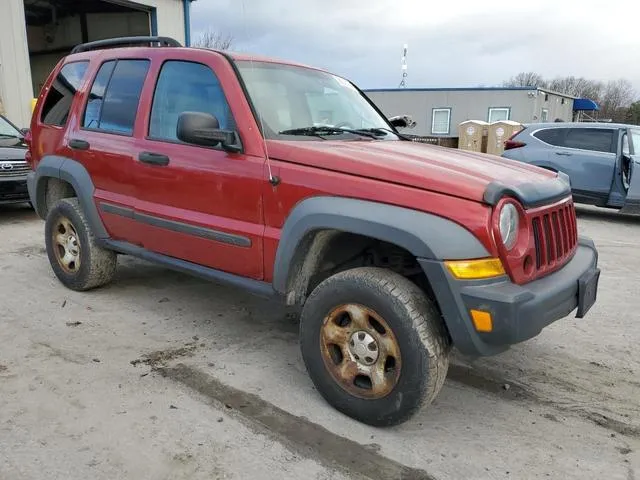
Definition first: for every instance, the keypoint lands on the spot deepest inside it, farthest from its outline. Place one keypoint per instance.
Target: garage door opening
(54, 27)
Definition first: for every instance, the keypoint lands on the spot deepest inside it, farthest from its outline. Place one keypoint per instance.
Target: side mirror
(24, 131)
(204, 129)
(402, 121)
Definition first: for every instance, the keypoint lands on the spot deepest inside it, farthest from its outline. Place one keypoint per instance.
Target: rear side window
(552, 136)
(115, 95)
(57, 104)
(183, 87)
(595, 139)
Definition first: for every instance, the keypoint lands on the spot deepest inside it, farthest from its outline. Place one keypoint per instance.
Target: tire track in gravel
(492, 383)
(297, 433)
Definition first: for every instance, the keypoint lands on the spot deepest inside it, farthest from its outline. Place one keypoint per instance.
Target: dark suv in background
(13, 166)
(600, 159)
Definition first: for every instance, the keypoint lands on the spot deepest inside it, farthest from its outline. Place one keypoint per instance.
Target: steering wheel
(345, 125)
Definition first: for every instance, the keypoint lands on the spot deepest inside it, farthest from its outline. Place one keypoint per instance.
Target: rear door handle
(564, 154)
(79, 144)
(154, 158)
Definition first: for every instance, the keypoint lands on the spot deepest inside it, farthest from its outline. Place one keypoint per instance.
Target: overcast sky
(451, 43)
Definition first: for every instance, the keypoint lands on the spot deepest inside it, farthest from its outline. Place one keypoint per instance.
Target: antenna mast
(403, 64)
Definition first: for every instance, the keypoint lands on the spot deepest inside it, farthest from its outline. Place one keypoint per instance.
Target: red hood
(440, 169)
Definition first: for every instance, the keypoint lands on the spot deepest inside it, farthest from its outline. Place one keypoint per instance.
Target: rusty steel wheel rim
(66, 245)
(360, 351)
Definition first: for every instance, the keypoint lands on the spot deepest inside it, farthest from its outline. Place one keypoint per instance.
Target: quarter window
(115, 95)
(595, 139)
(552, 136)
(57, 105)
(440, 121)
(186, 87)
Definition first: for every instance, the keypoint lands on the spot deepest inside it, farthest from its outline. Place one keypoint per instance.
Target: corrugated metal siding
(15, 71)
(17, 87)
(465, 105)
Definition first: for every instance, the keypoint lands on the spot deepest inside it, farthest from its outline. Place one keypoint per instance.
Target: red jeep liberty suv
(286, 180)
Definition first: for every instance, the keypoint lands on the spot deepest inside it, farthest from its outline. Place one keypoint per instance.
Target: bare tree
(214, 40)
(526, 79)
(616, 98)
(577, 86)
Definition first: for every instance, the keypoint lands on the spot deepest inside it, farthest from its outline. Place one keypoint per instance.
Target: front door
(199, 204)
(630, 173)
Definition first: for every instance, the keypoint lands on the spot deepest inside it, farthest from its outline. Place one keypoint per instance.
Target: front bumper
(519, 312)
(13, 190)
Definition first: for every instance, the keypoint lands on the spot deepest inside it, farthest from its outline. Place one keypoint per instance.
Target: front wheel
(374, 345)
(76, 259)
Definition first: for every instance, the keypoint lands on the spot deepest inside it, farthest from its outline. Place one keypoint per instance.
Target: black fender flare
(72, 172)
(424, 235)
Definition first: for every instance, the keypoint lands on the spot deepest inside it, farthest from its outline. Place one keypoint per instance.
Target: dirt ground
(163, 376)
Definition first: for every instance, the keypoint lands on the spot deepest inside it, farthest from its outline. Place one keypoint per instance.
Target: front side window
(498, 114)
(186, 87)
(115, 95)
(594, 139)
(440, 121)
(288, 97)
(635, 141)
(57, 105)
(626, 151)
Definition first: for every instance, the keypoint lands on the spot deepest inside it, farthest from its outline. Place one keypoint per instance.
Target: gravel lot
(163, 376)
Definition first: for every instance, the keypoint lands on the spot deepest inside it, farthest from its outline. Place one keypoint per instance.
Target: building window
(499, 113)
(544, 117)
(440, 121)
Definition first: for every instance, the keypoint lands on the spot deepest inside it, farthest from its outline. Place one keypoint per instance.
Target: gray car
(599, 158)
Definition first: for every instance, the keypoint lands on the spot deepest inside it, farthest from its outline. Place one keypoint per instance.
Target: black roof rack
(126, 42)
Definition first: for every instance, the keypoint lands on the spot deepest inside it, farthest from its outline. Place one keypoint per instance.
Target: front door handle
(154, 158)
(564, 154)
(77, 144)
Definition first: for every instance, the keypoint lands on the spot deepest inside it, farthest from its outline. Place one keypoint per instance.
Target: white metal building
(35, 34)
(439, 111)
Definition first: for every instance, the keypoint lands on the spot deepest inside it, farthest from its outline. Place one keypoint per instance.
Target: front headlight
(509, 225)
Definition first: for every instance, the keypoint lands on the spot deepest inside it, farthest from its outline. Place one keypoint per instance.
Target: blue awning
(585, 104)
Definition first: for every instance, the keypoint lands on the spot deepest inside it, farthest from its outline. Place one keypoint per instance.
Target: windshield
(288, 97)
(8, 130)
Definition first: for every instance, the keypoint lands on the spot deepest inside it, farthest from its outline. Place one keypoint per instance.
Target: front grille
(555, 235)
(10, 168)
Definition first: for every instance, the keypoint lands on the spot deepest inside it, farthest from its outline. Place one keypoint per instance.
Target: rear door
(105, 145)
(588, 156)
(200, 204)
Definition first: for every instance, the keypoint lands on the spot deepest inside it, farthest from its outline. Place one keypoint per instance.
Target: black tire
(416, 324)
(95, 267)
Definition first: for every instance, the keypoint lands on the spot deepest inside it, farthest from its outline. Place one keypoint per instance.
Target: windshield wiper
(382, 130)
(326, 130)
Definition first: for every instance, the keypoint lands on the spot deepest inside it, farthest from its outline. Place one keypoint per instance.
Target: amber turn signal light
(482, 320)
(475, 269)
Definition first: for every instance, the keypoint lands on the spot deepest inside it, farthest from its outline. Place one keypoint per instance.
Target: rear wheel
(76, 259)
(374, 345)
